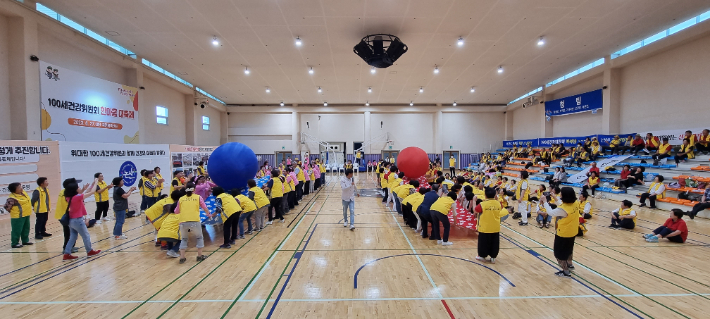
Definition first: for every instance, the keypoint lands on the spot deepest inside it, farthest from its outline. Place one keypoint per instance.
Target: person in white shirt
(623, 217)
(657, 189)
(347, 184)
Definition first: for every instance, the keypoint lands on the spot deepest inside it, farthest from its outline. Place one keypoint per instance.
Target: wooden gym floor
(312, 267)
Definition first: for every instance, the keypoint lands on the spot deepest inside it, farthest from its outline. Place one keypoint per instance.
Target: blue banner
(513, 143)
(605, 139)
(568, 141)
(590, 101)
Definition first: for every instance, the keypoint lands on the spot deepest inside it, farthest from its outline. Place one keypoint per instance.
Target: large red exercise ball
(413, 162)
(231, 165)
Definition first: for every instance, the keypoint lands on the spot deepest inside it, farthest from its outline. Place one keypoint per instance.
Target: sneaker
(612, 226)
(562, 274)
(522, 224)
(352, 227)
(98, 222)
(438, 241)
(652, 207)
(250, 232)
(547, 226)
(652, 239)
(282, 221)
(241, 237)
(479, 258)
(493, 260)
(69, 257)
(183, 260)
(447, 243)
(106, 218)
(93, 252)
(269, 222)
(642, 205)
(233, 242)
(647, 235)
(124, 237)
(157, 242)
(226, 246)
(172, 254)
(571, 267)
(17, 246)
(201, 258)
(46, 235)
(345, 224)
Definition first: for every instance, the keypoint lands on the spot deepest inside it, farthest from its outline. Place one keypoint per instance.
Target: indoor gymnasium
(354, 159)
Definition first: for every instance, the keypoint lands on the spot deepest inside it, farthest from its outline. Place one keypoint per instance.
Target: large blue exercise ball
(231, 165)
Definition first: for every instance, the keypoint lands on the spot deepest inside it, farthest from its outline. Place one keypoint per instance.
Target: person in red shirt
(652, 143)
(637, 145)
(594, 169)
(674, 229)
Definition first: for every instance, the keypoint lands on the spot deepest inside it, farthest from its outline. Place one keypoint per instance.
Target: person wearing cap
(614, 145)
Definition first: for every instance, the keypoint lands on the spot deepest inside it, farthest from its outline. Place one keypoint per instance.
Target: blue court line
(435, 255)
(573, 278)
(65, 269)
(297, 257)
(41, 261)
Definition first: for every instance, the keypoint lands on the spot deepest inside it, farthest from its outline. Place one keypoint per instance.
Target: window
(209, 95)
(577, 71)
(526, 95)
(161, 115)
(206, 123)
(166, 73)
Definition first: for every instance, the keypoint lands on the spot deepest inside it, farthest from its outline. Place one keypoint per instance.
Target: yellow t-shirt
(415, 199)
(489, 221)
(442, 205)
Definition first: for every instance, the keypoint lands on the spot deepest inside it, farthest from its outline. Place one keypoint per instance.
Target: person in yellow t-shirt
(664, 151)
(101, 197)
(20, 206)
(188, 208)
(440, 210)
(567, 229)
(230, 211)
(452, 166)
(40, 205)
(491, 214)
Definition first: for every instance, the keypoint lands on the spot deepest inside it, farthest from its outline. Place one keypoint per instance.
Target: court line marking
(577, 279)
(274, 252)
(435, 255)
(339, 299)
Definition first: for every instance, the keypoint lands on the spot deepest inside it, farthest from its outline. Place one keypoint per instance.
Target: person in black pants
(623, 217)
(40, 205)
(231, 223)
(384, 187)
(441, 216)
(423, 210)
(704, 204)
(65, 228)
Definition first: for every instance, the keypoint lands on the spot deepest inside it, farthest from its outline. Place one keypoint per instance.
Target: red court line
(451, 315)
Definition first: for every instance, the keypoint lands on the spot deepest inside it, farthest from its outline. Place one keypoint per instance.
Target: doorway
(447, 157)
(390, 155)
(282, 156)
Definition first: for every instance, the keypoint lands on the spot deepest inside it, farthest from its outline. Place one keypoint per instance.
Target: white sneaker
(438, 241)
(98, 222)
(493, 260)
(106, 218)
(447, 243)
(172, 254)
(282, 220)
(269, 222)
(121, 237)
(345, 224)
(352, 227)
(479, 258)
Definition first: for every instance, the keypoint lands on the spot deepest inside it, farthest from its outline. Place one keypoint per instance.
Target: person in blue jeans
(120, 206)
(347, 184)
(246, 215)
(76, 212)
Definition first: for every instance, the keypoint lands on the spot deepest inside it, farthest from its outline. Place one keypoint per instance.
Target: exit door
(282, 156)
(390, 155)
(447, 158)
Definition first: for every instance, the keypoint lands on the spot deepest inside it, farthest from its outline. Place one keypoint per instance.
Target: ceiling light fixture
(411, 103)
(325, 103)
(268, 90)
(282, 103)
(500, 69)
(367, 103)
(320, 90)
(541, 41)
(215, 42)
(298, 41)
(373, 70)
(246, 70)
(310, 71)
(460, 42)
(436, 70)
(421, 89)
(454, 103)
(369, 90)
(473, 89)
